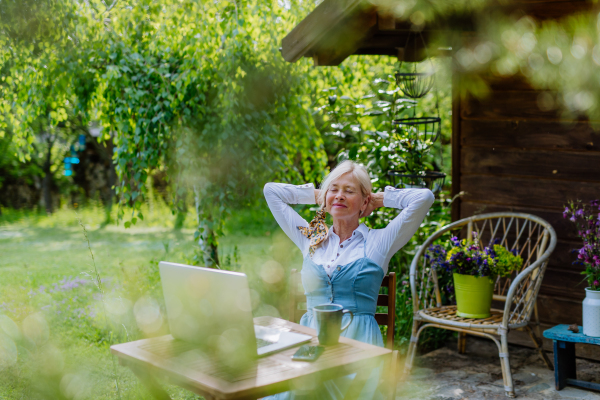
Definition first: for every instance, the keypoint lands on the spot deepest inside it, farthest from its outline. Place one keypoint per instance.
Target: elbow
(429, 197)
(268, 189)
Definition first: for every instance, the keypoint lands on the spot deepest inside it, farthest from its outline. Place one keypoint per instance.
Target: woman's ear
(364, 206)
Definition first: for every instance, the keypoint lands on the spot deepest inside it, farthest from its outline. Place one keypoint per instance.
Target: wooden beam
(456, 145)
(329, 26)
(386, 22)
(344, 42)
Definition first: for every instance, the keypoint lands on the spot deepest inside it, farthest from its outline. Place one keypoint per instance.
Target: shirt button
(338, 254)
(341, 245)
(329, 283)
(338, 268)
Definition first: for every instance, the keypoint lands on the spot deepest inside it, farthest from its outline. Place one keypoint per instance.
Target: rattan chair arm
(539, 263)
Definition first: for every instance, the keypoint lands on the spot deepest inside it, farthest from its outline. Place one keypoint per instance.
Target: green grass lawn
(56, 325)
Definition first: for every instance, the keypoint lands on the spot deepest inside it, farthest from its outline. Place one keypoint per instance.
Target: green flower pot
(473, 295)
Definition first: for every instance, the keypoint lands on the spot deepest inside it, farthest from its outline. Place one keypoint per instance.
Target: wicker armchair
(533, 238)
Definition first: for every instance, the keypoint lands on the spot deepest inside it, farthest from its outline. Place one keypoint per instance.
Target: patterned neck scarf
(316, 231)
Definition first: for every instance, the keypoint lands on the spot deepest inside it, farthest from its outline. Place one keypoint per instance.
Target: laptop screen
(212, 309)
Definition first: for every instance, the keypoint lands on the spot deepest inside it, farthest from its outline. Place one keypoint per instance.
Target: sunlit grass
(54, 342)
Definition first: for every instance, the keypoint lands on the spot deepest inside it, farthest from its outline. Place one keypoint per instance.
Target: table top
(275, 373)
(562, 333)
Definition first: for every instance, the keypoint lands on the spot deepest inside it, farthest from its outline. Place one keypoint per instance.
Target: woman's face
(344, 200)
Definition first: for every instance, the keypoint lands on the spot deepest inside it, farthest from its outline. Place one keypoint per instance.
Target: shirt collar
(362, 229)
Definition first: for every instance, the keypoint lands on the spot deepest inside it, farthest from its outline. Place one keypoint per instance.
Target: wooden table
(565, 368)
(177, 362)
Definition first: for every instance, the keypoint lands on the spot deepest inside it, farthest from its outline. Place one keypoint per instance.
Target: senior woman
(346, 264)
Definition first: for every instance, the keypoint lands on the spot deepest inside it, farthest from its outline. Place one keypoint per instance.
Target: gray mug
(328, 319)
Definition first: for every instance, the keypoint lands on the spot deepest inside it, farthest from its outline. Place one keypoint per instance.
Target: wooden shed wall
(511, 156)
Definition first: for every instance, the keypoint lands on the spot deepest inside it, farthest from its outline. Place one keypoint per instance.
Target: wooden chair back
(298, 303)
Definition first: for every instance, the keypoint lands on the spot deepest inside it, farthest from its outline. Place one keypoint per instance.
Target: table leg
(150, 383)
(358, 383)
(564, 363)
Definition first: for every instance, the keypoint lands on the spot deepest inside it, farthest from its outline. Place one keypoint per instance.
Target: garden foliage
(469, 257)
(586, 218)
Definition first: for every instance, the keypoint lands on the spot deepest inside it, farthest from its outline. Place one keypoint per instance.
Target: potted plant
(474, 270)
(587, 219)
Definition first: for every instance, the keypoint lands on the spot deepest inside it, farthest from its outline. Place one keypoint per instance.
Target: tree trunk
(111, 179)
(208, 239)
(47, 181)
(181, 207)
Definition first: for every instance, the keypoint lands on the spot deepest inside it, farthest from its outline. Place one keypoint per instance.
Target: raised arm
(414, 204)
(279, 196)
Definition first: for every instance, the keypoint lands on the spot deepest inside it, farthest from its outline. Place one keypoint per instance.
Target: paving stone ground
(444, 374)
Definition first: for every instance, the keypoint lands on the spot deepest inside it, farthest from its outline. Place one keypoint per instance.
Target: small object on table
(574, 328)
(308, 353)
(565, 368)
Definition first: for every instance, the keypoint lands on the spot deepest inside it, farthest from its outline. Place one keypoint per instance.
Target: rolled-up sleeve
(279, 196)
(415, 204)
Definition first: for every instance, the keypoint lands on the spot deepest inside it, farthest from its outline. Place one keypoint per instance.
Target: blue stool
(565, 369)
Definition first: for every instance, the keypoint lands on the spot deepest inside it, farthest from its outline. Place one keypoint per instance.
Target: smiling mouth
(339, 205)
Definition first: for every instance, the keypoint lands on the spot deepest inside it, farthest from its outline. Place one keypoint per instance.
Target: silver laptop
(212, 309)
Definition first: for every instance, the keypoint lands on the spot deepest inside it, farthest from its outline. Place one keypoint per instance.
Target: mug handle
(349, 322)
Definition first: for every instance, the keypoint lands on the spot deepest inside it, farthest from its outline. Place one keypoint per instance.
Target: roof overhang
(337, 29)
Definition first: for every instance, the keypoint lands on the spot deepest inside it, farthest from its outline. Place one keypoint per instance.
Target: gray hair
(359, 173)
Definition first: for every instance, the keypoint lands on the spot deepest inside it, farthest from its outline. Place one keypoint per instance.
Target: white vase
(591, 313)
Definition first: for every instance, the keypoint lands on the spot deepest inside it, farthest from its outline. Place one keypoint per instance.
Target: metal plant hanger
(420, 132)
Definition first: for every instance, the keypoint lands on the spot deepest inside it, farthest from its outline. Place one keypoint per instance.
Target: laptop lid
(212, 309)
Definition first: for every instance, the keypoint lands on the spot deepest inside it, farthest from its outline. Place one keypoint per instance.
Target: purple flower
(596, 283)
(579, 212)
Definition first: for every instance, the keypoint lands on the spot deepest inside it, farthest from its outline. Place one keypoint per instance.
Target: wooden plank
(543, 135)
(331, 31)
(531, 163)
(382, 319)
(521, 338)
(544, 10)
(383, 300)
(558, 310)
(268, 375)
(562, 332)
(456, 149)
(386, 21)
(501, 84)
(563, 256)
(507, 105)
(511, 191)
(564, 228)
(386, 280)
(564, 284)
